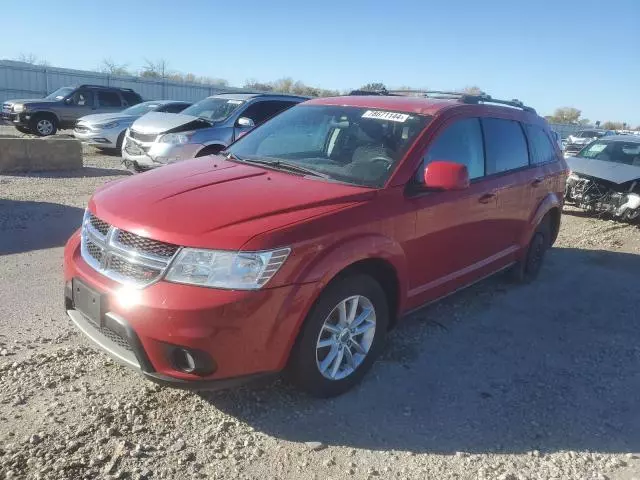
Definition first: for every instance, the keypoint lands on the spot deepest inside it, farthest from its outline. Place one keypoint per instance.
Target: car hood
(31, 101)
(610, 171)
(160, 122)
(98, 118)
(212, 203)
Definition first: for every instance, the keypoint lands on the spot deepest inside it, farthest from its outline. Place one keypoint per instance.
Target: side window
(505, 145)
(109, 99)
(540, 145)
(261, 111)
(82, 98)
(131, 98)
(173, 108)
(461, 142)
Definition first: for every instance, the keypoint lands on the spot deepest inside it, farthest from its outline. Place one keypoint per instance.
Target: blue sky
(579, 53)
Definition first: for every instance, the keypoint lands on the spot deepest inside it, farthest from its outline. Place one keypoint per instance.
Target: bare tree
(157, 69)
(113, 68)
(27, 58)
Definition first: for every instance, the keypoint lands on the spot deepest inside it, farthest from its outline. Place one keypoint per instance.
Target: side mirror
(246, 122)
(445, 175)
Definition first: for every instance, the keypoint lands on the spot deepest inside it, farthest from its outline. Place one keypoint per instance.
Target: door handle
(487, 197)
(537, 182)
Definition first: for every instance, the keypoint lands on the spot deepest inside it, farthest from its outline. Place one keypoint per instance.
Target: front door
(456, 240)
(82, 102)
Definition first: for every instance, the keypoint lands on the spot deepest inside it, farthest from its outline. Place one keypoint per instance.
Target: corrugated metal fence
(31, 81)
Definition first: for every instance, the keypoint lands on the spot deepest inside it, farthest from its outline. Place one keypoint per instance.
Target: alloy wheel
(346, 337)
(44, 127)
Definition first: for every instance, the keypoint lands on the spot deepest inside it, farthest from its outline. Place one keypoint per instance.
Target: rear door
(456, 239)
(544, 163)
(109, 101)
(507, 162)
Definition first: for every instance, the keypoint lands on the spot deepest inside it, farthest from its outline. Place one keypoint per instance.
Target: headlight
(224, 269)
(176, 138)
(106, 125)
(18, 107)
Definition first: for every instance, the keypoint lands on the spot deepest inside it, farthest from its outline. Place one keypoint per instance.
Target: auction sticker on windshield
(382, 115)
(234, 102)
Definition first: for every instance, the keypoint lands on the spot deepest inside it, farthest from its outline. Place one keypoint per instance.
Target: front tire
(341, 338)
(44, 125)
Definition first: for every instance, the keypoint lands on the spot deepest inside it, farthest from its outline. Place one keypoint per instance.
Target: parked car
(106, 130)
(577, 141)
(605, 177)
(62, 108)
(205, 128)
(305, 241)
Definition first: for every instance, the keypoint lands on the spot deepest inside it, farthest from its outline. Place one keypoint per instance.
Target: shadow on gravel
(497, 368)
(28, 225)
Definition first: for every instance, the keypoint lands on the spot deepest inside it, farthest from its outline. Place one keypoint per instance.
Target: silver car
(205, 128)
(106, 130)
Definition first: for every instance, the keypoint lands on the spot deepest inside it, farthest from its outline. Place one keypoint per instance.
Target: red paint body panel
(436, 242)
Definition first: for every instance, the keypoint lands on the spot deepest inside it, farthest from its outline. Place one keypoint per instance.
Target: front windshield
(355, 145)
(60, 93)
(213, 109)
(142, 108)
(612, 151)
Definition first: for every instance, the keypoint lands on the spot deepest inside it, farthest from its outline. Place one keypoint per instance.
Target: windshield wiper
(292, 167)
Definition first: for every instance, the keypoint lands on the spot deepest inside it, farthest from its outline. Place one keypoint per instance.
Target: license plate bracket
(87, 301)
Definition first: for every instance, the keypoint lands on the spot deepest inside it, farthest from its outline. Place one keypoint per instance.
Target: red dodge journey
(303, 243)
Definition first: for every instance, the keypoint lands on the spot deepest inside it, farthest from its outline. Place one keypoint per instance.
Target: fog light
(191, 360)
(184, 361)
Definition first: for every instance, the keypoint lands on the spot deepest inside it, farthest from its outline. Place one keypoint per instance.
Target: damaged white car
(605, 177)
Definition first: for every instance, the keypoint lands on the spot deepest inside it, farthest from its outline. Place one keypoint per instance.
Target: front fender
(551, 201)
(340, 256)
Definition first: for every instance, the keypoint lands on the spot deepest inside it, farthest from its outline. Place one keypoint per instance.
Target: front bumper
(245, 334)
(154, 154)
(16, 119)
(105, 138)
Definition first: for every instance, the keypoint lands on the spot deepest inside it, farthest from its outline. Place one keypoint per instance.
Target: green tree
(565, 115)
(609, 125)
(473, 90)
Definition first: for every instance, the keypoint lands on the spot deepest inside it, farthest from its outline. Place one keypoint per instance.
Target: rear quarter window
(132, 98)
(540, 146)
(505, 145)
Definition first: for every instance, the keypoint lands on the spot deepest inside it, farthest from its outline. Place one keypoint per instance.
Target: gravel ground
(496, 382)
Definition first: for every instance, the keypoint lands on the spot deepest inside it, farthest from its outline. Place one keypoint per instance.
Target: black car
(62, 108)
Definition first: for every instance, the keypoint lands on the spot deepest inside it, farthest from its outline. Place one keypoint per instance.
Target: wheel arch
(212, 147)
(375, 255)
(550, 205)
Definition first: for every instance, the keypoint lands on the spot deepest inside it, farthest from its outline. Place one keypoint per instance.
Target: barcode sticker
(234, 102)
(382, 115)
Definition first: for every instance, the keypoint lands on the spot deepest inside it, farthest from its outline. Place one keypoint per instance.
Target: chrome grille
(124, 256)
(139, 273)
(143, 137)
(146, 245)
(94, 250)
(99, 225)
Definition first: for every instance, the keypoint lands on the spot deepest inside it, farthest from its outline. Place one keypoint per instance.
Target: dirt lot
(497, 382)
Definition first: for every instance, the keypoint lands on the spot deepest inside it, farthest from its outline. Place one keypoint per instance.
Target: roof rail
(89, 85)
(469, 98)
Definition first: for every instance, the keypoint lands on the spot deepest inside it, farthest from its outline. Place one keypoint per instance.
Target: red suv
(301, 245)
